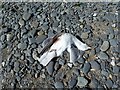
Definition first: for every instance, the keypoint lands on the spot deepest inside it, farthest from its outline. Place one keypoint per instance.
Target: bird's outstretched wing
(47, 57)
(49, 42)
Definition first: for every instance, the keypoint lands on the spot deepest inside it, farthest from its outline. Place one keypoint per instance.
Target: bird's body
(58, 44)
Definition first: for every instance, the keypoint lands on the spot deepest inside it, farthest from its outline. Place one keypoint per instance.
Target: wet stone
(50, 68)
(82, 82)
(103, 55)
(95, 65)
(104, 46)
(86, 68)
(59, 85)
(26, 16)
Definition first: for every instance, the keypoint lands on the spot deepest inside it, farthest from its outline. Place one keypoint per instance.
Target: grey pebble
(81, 60)
(31, 40)
(82, 82)
(94, 83)
(86, 68)
(105, 46)
(109, 83)
(61, 62)
(111, 36)
(113, 42)
(116, 70)
(105, 73)
(58, 85)
(21, 22)
(95, 65)
(50, 68)
(103, 55)
(26, 16)
(30, 59)
(9, 37)
(16, 66)
(72, 83)
(22, 45)
(40, 39)
(84, 35)
(59, 76)
(2, 38)
(56, 66)
(34, 24)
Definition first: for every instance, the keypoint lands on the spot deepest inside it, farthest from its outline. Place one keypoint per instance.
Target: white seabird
(57, 45)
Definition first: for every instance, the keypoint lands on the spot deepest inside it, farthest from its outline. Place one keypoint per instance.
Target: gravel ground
(24, 26)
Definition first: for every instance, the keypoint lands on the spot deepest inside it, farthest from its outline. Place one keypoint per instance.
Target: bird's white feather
(62, 43)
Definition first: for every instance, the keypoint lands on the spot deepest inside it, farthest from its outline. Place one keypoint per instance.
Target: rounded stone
(16, 66)
(59, 85)
(21, 22)
(22, 46)
(9, 37)
(84, 35)
(109, 83)
(86, 68)
(95, 65)
(72, 83)
(82, 82)
(50, 68)
(105, 46)
(26, 16)
(2, 37)
(103, 55)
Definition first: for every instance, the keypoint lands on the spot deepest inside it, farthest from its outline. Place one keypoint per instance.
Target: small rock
(86, 68)
(72, 83)
(40, 39)
(84, 35)
(16, 66)
(21, 22)
(95, 65)
(113, 42)
(56, 66)
(31, 40)
(111, 36)
(103, 55)
(22, 46)
(26, 16)
(109, 83)
(9, 37)
(34, 24)
(2, 38)
(112, 62)
(81, 60)
(104, 46)
(82, 82)
(94, 83)
(105, 73)
(50, 68)
(116, 70)
(58, 85)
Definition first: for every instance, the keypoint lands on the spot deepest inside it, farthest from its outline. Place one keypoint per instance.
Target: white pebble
(112, 62)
